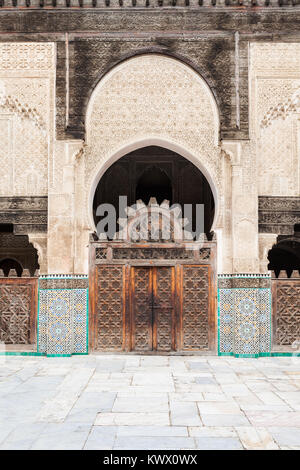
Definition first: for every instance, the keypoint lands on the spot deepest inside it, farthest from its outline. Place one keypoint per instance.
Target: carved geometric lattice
(142, 309)
(110, 308)
(195, 307)
(15, 307)
(152, 253)
(287, 313)
(101, 253)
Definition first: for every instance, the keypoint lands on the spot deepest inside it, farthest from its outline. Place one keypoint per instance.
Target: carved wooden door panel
(142, 312)
(152, 309)
(109, 319)
(163, 309)
(18, 310)
(286, 312)
(195, 308)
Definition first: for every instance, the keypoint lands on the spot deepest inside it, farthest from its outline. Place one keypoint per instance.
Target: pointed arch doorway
(153, 295)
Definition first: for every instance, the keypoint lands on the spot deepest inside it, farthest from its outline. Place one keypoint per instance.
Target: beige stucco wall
(149, 99)
(27, 112)
(275, 124)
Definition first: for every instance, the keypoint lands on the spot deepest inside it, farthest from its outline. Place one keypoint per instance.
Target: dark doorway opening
(154, 182)
(7, 264)
(16, 252)
(156, 172)
(285, 254)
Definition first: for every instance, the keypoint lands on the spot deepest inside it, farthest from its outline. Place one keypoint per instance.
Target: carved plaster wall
(274, 124)
(152, 97)
(27, 73)
(27, 79)
(275, 112)
(146, 100)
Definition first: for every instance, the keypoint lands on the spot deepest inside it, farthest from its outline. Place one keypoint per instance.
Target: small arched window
(8, 263)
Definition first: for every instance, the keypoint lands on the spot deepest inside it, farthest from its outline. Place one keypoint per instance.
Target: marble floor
(149, 402)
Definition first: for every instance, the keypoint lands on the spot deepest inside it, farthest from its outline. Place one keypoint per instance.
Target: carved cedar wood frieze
(27, 214)
(278, 214)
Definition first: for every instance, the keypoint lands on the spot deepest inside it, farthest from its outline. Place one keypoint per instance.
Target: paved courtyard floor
(149, 402)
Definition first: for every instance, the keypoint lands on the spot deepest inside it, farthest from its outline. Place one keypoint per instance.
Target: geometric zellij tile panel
(62, 321)
(244, 320)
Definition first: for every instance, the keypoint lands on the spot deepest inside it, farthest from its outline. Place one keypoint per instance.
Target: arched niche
(153, 171)
(147, 100)
(16, 252)
(285, 254)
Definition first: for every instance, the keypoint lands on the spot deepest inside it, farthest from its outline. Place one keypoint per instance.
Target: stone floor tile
(55, 371)
(259, 385)
(205, 380)
(203, 366)
(154, 443)
(274, 418)
(141, 392)
(236, 390)
(253, 401)
(256, 438)
(213, 431)
(248, 407)
(102, 400)
(144, 404)
(285, 436)
(224, 420)
(226, 379)
(214, 408)
(38, 384)
(110, 365)
(181, 396)
(154, 431)
(101, 438)
(208, 396)
(218, 443)
(184, 414)
(155, 361)
(62, 436)
(152, 379)
(56, 409)
(271, 398)
(21, 444)
(285, 386)
(200, 388)
(290, 396)
(131, 419)
(87, 416)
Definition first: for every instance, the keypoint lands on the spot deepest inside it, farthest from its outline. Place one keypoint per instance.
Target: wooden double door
(146, 308)
(152, 308)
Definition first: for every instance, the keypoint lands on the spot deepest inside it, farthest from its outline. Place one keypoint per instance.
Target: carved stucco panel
(27, 78)
(152, 96)
(278, 156)
(6, 148)
(275, 58)
(275, 107)
(27, 56)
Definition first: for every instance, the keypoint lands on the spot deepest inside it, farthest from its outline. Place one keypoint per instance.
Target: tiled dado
(244, 315)
(63, 315)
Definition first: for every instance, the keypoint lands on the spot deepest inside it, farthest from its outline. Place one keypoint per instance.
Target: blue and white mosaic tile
(63, 318)
(244, 318)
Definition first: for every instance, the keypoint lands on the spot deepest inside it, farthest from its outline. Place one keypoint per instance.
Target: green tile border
(21, 353)
(39, 354)
(262, 354)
